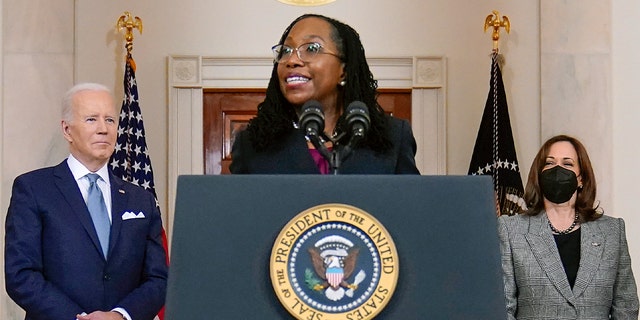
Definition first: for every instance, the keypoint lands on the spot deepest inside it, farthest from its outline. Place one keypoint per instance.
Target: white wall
(249, 28)
(626, 121)
(44, 48)
(576, 80)
(37, 68)
(4, 302)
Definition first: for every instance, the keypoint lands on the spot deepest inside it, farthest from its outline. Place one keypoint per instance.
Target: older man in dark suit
(80, 242)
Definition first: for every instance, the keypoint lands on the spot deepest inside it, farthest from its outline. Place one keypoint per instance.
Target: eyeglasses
(306, 52)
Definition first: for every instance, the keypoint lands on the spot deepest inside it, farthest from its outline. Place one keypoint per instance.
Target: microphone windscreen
(311, 117)
(357, 112)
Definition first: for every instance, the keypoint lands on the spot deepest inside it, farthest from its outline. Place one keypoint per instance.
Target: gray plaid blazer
(536, 285)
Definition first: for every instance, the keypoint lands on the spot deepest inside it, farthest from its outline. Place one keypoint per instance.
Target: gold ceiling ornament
(127, 23)
(306, 2)
(494, 20)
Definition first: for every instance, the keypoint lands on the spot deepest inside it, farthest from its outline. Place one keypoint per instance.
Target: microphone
(357, 118)
(312, 118)
(358, 122)
(311, 121)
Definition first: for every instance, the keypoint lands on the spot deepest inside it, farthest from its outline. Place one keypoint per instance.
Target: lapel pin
(595, 244)
(121, 191)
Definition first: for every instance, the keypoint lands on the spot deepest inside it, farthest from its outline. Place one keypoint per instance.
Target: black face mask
(558, 184)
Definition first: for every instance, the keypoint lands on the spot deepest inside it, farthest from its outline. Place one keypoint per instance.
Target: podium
(444, 229)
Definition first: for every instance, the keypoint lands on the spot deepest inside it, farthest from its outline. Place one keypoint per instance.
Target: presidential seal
(334, 262)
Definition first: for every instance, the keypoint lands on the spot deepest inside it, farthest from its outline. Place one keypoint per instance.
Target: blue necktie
(98, 210)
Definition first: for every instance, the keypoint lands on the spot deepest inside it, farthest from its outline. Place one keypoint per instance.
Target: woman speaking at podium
(320, 114)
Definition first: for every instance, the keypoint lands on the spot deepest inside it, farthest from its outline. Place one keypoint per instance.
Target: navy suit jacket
(291, 155)
(54, 267)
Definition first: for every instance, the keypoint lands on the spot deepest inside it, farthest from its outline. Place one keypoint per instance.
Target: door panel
(228, 111)
(225, 112)
(396, 102)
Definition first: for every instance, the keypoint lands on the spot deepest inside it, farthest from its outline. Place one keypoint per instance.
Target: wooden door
(227, 111)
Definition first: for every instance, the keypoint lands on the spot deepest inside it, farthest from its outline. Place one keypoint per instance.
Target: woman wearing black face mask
(564, 259)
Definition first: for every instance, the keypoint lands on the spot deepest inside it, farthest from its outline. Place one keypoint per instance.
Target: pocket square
(130, 215)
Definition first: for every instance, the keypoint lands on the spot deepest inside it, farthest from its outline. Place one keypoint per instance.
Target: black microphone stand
(337, 156)
(339, 153)
(333, 157)
(318, 143)
(357, 121)
(312, 122)
(335, 161)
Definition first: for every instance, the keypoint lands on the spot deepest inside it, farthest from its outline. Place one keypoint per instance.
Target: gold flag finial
(494, 20)
(126, 22)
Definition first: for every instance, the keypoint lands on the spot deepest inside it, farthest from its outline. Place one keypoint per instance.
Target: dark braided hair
(276, 115)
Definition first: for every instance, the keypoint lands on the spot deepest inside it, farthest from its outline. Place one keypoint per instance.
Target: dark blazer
(54, 267)
(291, 155)
(536, 284)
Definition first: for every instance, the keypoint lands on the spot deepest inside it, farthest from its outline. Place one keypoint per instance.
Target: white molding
(185, 71)
(429, 72)
(190, 74)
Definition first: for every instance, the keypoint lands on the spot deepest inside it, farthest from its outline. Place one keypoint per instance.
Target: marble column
(575, 75)
(38, 67)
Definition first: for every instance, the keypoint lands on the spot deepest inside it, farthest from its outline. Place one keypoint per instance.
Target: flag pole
(493, 20)
(130, 161)
(494, 152)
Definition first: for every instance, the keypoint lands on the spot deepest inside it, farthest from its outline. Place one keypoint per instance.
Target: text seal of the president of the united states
(334, 261)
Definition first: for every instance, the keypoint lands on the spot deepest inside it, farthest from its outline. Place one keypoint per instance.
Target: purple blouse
(321, 162)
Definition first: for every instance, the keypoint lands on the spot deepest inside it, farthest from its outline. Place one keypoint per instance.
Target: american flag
(494, 152)
(131, 161)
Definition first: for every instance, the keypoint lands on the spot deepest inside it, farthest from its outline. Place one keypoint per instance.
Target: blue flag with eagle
(130, 160)
(494, 152)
